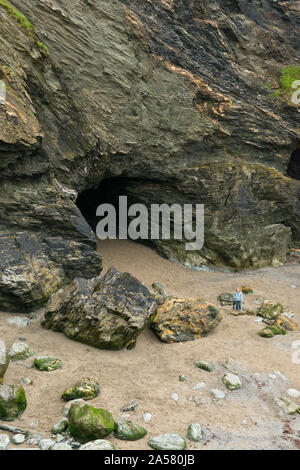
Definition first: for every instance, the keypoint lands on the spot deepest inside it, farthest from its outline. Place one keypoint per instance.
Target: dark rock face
(168, 97)
(107, 313)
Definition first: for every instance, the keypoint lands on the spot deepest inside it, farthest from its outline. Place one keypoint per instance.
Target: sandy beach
(246, 419)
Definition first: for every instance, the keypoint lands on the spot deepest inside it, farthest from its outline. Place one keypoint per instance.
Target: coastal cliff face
(175, 101)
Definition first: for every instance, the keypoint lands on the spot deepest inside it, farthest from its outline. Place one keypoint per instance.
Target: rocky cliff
(170, 101)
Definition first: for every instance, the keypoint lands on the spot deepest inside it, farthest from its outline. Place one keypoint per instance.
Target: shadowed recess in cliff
(294, 164)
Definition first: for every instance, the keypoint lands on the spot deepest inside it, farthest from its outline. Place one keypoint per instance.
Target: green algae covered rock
(271, 331)
(87, 423)
(194, 432)
(60, 426)
(270, 310)
(47, 363)
(232, 381)
(129, 431)
(12, 402)
(86, 388)
(168, 442)
(204, 365)
(4, 362)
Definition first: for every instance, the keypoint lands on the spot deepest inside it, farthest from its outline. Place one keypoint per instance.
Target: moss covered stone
(204, 365)
(194, 432)
(168, 442)
(86, 388)
(270, 310)
(20, 352)
(47, 363)
(271, 330)
(129, 431)
(87, 423)
(12, 402)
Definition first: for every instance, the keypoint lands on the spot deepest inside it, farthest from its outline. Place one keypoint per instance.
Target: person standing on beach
(237, 300)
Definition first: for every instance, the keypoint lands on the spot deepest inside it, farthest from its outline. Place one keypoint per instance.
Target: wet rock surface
(108, 313)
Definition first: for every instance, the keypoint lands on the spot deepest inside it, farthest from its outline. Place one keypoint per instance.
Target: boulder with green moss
(12, 402)
(87, 423)
(179, 319)
(128, 430)
(47, 363)
(86, 388)
(270, 310)
(60, 426)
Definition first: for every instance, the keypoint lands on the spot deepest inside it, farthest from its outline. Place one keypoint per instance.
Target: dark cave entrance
(294, 165)
(107, 192)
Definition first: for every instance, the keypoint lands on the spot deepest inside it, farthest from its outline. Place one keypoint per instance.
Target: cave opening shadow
(294, 165)
(107, 192)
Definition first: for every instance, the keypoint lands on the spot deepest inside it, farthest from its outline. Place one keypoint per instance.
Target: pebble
(131, 406)
(26, 381)
(218, 394)
(20, 322)
(292, 392)
(184, 378)
(45, 444)
(232, 381)
(195, 432)
(174, 397)
(61, 446)
(18, 439)
(4, 441)
(199, 386)
(100, 444)
(147, 417)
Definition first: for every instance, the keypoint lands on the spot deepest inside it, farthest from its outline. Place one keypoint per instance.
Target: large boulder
(87, 423)
(12, 402)
(108, 312)
(179, 320)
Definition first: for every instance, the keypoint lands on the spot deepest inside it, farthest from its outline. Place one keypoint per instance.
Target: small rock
(26, 381)
(59, 438)
(132, 406)
(86, 388)
(47, 363)
(60, 427)
(247, 290)
(147, 417)
(292, 392)
(194, 432)
(204, 365)
(184, 378)
(45, 444)
(4, 441)
(168, 442)
(100, 444)
(218, 394)
(20, 322)
(61, 446)
(199, 386)
(129, 431)
(174, 397)
(287, 405)
(231, 381)
(18, 439)
(159, 288)
(20, 352)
